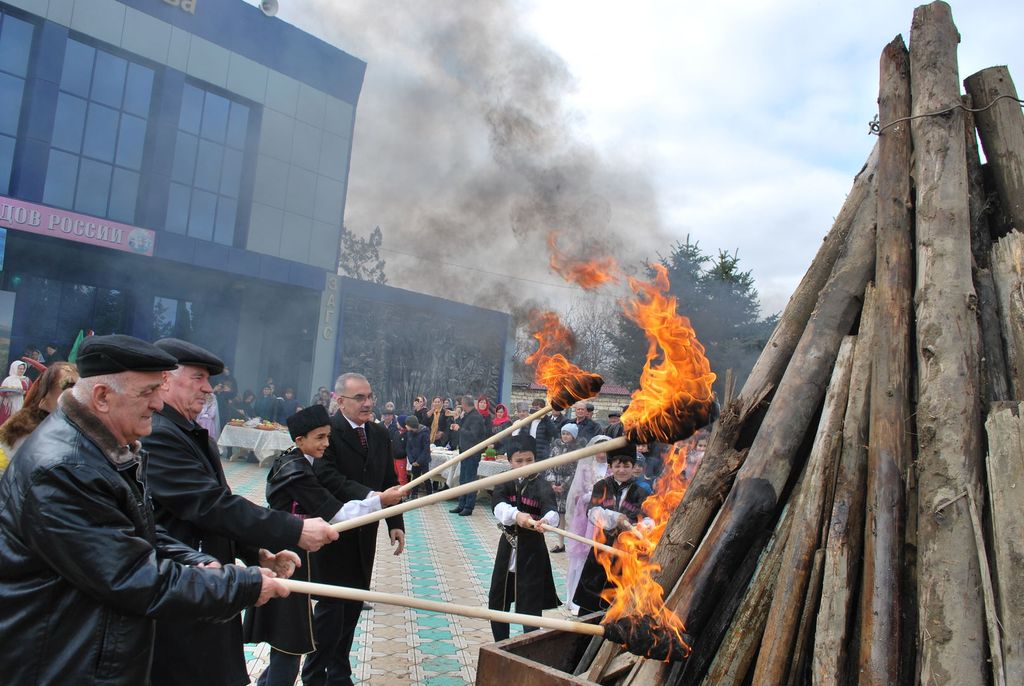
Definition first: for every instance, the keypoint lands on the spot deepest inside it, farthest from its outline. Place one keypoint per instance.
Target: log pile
(859, 513)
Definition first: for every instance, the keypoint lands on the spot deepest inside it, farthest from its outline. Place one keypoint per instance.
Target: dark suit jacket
(349, 472)
(192, 500)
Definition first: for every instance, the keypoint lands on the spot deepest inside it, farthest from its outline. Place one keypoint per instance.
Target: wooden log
(739, 647)
(951, 627)
(889, 449)
(1001, 129)
(753, 500)
(844, 541)
(1008, 276)
(1005, 468)
(799, 666)
(995, 643)
(797, 560)
(995, 378)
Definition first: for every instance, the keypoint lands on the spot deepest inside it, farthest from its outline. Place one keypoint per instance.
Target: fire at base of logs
(645, 637)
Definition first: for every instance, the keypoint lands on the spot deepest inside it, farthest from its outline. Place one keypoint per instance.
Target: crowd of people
(120, 537)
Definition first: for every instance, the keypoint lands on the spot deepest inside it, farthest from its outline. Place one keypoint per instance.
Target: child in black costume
(287, 624)
(522, 568)
(614, 506)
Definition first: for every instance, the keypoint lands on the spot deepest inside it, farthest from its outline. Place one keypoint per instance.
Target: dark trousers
(428, 485)
(334, 627)
(467, 474)
(500, 630)
(281, 671)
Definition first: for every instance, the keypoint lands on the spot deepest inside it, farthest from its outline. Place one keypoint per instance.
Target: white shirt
(506, 515)
(353, 508)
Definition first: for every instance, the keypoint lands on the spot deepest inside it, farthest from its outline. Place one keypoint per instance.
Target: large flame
(634, 595)
(588, 274)
(675, 396)
(565, 382)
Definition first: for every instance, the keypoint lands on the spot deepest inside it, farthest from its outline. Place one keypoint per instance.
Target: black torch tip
(643, 636)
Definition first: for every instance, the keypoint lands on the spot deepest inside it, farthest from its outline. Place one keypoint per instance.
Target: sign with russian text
(50, 221)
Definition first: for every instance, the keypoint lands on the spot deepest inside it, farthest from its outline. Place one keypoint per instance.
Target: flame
(565, 382)
(586, 274)
(675, 396)
(634, 595)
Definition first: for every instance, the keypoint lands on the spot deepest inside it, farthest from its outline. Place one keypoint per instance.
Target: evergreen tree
(360, 257)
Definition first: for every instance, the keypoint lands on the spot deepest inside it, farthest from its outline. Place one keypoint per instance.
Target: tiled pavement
(447, 558)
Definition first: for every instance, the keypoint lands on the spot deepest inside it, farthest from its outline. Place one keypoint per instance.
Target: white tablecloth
(264, 444)
(450, 476)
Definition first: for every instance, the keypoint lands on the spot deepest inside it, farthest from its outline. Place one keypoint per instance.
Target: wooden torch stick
(582, 539)
(473, 486)
(345, 593)
(507, 431)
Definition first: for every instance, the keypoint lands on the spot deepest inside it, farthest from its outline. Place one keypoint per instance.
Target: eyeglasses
(360, 398)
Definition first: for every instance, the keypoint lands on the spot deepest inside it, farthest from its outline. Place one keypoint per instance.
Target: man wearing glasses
(356, 463)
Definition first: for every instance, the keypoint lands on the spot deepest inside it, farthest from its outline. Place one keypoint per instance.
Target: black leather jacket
(84, 572)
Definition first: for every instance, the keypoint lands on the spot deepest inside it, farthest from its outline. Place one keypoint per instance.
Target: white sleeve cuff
(357, 508)
(505, 513)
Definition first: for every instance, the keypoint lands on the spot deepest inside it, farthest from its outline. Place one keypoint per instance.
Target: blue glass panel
(77, 74)
(100, 132)
(238, 125)
(191, 109)
(215, 117)
(130, 141)
(224, 231)
(61, 173)
(184, 158)
(138, 90)
(93, 188)
(231, 178)
(11, 88)
(15, 44)
(124, 191)
(69, 123)
(177, 208)
(6, 162)
(200, 220)
(208, 165)
(108, 79)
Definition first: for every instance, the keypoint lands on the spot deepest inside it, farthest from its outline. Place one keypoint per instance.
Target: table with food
(264, 439)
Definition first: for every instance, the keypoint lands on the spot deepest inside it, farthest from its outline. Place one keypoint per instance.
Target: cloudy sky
(740, 124)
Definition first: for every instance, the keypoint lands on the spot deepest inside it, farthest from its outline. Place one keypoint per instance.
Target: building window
(15, 45)
(206, 175)
(99, 133)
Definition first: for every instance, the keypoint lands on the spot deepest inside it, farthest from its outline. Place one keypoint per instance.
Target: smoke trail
(466, 154)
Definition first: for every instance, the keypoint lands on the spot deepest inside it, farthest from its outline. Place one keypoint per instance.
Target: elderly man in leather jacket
(193, 501)
(84, 571)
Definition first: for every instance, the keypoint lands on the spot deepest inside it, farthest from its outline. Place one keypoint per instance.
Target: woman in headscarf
(500, 423)
(13, 390)
(437, 422)
(589, 471)
(40, 401)
(561, 476)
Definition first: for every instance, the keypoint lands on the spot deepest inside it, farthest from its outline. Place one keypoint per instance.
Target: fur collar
(95, 431)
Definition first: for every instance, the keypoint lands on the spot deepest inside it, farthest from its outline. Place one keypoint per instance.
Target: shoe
(558, 549)
(465, 513)
(457, 510)
(367, 606)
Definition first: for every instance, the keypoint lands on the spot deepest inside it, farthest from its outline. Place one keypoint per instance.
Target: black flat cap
(117, 353)
(191, 354)
(307, 420)
(523, 442)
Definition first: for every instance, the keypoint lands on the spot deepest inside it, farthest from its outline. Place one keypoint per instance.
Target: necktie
(362, 436)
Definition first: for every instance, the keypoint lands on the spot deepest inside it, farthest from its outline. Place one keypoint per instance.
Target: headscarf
(500, 415)
(486, 412)
(588, 472)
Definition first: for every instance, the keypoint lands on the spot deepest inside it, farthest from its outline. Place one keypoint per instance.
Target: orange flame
(565, 382)
(634, 594)
(589, 274)
(675, 396)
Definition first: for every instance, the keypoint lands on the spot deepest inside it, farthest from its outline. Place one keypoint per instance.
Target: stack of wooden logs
(859, 512)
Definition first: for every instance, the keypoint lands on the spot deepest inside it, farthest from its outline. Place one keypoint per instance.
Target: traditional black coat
(593, 578)
(349, 472)
(287, 623)
(192, 500)
(534, 589)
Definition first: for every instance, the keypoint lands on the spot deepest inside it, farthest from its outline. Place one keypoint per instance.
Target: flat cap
(307, 420)
(614, 413)
(117, 353)
(191, 354)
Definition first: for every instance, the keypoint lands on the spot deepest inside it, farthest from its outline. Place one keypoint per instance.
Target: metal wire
(876, 129)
